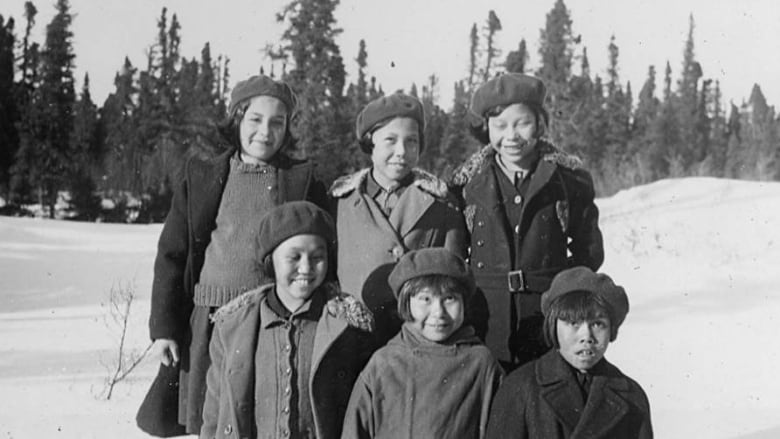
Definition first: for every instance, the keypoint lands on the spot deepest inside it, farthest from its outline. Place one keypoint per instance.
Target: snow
(698, 258)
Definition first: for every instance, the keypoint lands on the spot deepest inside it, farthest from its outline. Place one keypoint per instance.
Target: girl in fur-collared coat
(530, 211)
(286, 355)
(391, 208)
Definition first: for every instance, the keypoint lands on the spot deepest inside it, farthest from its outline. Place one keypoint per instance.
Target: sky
(736, 42)
(700, 336)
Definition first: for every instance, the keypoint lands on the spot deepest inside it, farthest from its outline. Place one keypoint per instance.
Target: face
(436, 316)
(512, 134)
(583, 344)
(262, 129)
(300, 266)
(396, 150)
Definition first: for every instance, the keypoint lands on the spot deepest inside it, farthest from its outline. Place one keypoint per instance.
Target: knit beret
(291, 219)
(507, 89)
(387, 107)
(584, 279)
(427, 261)
(261, 85)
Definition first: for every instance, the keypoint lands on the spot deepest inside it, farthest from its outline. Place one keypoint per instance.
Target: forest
(116, 162)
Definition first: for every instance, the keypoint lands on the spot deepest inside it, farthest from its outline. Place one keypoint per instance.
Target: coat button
(480, 223)
(397, 252)
(228, 429)
(517, 229)
(480, 265)
(518, 199)
(480, 243)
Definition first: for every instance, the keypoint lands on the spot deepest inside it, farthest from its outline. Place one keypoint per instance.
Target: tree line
(130, 149)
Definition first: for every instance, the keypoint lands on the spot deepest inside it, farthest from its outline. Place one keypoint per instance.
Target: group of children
(394, 305)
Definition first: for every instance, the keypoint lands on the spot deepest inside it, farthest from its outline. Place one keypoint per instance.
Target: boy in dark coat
(530, 211)
(204, 257)
(573, 391)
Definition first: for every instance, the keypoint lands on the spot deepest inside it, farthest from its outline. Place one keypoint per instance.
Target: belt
(516, 281)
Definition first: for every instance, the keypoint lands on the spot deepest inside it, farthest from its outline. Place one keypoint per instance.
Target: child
(285, 355)
(435, 379)
(573, 391)
(204, 256)
(530, 211)
(390, 208)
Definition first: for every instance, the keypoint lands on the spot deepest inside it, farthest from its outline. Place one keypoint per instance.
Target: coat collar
(604, 408)
(426, 181)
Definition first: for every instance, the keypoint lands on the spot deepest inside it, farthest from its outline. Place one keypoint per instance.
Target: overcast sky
(736, 41)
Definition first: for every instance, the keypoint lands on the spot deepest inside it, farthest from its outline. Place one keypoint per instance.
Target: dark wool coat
(542, 400)
(370, 243)
(337, 358)
(182, 248)
(558, 228)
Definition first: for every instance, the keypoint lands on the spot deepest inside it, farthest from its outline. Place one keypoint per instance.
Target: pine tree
(436, 123)
(556, 48)
(665, 159)
(457, 143)
(516, 60)
(43, 157)
(473, 58)
(689, 147)
(9, 112)
(492, 52)
(84, 202)
(719, 139)
(323, 128)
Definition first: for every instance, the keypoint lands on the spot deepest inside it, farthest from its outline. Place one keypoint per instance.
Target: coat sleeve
(507, 414)
(457, 238)
(587, 245)
(493, 379)
(213, 386)
(168, 303)
(359, 418)
(646, 427)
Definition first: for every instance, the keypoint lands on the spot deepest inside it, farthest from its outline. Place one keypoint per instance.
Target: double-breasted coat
(370, 243)
(515, 259)
(180, 255)
(542, 400)
(338, 356)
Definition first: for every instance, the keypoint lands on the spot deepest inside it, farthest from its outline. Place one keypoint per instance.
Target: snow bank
(697, 256)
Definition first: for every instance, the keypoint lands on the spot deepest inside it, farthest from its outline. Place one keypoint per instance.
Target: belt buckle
(516, 281)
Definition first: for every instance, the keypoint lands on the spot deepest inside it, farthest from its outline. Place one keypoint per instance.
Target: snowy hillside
(698, 258)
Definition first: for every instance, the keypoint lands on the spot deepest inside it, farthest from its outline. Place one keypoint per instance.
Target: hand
(167, 350)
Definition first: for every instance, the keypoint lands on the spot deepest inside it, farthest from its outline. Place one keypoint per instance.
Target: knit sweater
(230, 267)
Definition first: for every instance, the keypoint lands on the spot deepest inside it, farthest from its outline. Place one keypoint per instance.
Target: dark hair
(366, 144)
(266, 266)
(577, 306)
(439, 284)
(230, 127)
(479, 127)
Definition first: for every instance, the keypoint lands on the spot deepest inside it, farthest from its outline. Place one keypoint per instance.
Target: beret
(584, 279)
(261, 85)
(291, 219)
(507, 89)
(427, 261)
(387, 107)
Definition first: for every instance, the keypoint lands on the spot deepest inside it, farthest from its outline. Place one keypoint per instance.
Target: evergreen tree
(734, 151)
(9, 112)
(457, 143)
(556, 48)
(43, 157)
(719, 138)
(84, 202)
(323, 128)
(516, 60)
(664, 154)
(436, 123)
(473, 58)
(689, 146)
(492, 52)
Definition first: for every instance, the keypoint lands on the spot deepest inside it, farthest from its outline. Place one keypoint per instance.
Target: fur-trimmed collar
(547, 151)
(339, 305)
(424, 180)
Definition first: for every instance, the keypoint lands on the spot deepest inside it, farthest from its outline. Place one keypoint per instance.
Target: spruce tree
(322, 127)
(9, 112)
(492, 51)
(84, 201)
(516, 60)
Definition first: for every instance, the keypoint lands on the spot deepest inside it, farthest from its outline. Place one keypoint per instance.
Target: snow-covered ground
(699, 258)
